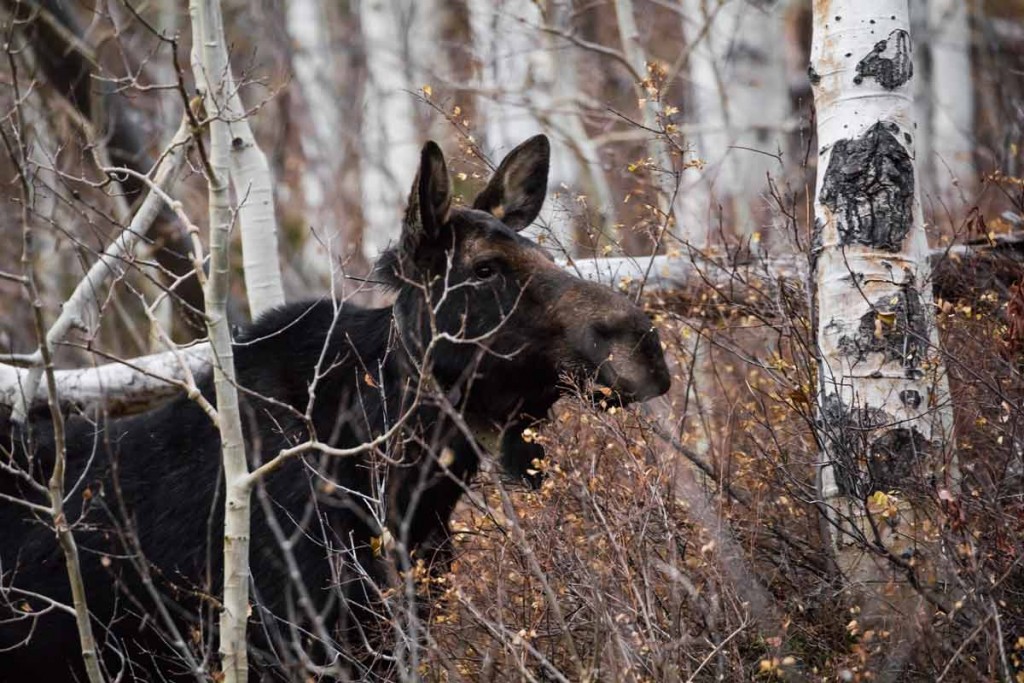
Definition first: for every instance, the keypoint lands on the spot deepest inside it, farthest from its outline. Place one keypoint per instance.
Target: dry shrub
(704, 559)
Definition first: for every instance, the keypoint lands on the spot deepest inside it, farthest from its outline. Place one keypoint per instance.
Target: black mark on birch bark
(911, 398)
(870, 451)
(893, 459)
(895, 327)
(869, 186)
(812, 75)
(889, 62)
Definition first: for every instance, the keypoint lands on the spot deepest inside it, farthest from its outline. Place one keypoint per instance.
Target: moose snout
(625, 351)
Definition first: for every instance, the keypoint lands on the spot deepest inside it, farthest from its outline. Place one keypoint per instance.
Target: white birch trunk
(921, 86)
(952, 108)
(740, 99)
(663, 177)
(391, 138)
(307, 27)
(566, 123)
(523, 92)
(249, 173)
(52, 263)
(209, 56)
(884, 394)
(505, 47)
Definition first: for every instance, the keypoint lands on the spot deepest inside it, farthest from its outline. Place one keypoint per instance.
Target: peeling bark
(871, 451)
(889, 62)
(894, 327)
(869, 182)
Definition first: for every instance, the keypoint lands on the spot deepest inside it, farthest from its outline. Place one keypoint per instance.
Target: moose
(485, 333)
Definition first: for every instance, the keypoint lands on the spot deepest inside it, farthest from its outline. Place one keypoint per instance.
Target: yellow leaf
(427, 90)
(447, 458)
(880, 499)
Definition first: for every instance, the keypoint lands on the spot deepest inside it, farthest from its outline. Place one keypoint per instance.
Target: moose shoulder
(486, 332)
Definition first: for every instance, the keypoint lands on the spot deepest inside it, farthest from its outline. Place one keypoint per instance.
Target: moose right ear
(430, 201)
(515, 194)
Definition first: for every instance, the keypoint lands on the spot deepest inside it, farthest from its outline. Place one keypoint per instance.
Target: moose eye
(485, 270)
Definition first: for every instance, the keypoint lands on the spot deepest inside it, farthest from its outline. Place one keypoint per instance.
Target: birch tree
(506, 50)
(565, 121)
(212, 72)
(307, 27)
(390, 135)
(883, 401)
(110, 263)
(952, 108)
(522, 91)
(740, 105)
(249, 172)
(649, 102)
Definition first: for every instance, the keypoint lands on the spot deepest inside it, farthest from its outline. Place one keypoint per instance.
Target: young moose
(485, 334)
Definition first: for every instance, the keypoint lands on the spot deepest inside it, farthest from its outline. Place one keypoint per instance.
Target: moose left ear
(430, 200)
(516, 192)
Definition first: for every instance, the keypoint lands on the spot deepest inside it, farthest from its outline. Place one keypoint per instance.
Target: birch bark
(739, 98)
(522, 92)
(952, 107)
(651, 112)
(505, 49)
(249, 171)
(390, 136)
(307, 27)
(884, 399)
(209, 58)
(112, 261)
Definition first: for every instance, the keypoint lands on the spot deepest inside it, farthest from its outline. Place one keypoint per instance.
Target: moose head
(506, 325)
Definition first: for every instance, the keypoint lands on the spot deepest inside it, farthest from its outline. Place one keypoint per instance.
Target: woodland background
(700, 561)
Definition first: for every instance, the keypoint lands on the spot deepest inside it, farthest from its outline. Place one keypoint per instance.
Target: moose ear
(516, 192)
(430, 201)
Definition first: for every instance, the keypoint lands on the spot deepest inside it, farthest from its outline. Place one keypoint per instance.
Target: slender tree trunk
(740, 100)
(505, 47)
(110, 262)
(209, 58)
(921, 86)
(64, 56)
(885, 419)
(651, 110)
(249, 171)
(391, 138)
(566, 122)
(307, 27)
(522, 92)
(952, 111)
